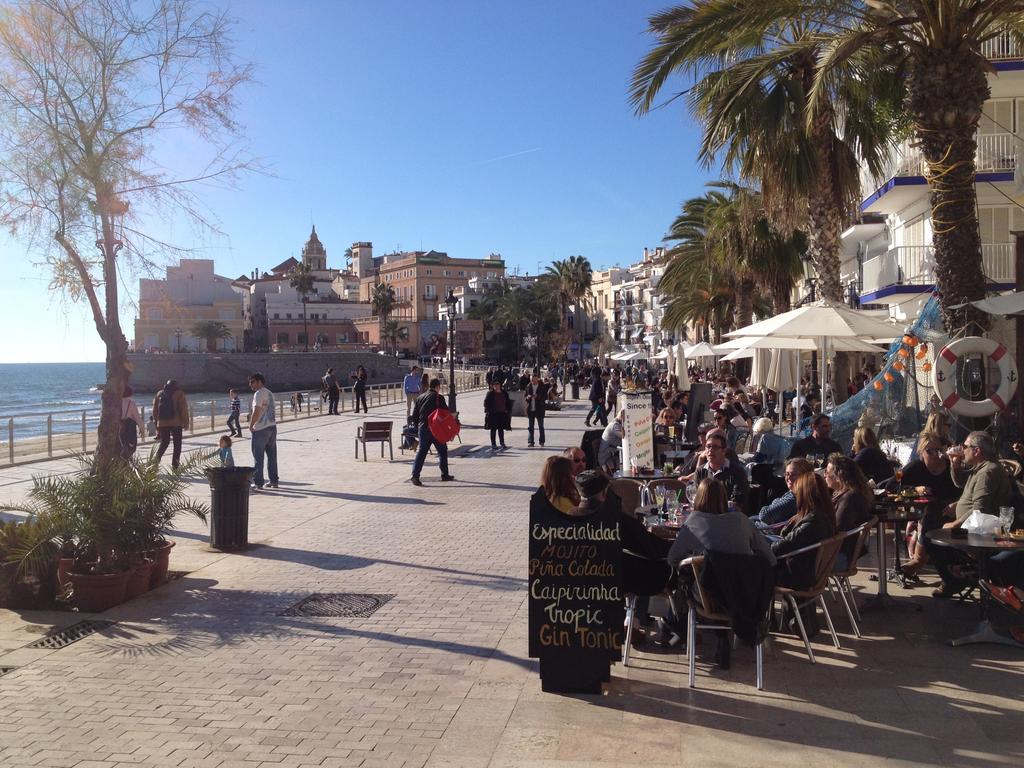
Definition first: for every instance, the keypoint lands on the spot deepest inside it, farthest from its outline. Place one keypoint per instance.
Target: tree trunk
(745, 303)
(826, 214)
(109, 443)
(946, 92)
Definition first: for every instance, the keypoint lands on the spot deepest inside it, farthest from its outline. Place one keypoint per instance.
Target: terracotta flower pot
(95, 593)
(138, 580)
(64, 565)
(161, 562)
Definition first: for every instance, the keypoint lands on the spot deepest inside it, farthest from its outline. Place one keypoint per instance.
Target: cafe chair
(702, 607)
(629, 491)
(630, 614)
(825, 560)
(841, 579)
(375, 432)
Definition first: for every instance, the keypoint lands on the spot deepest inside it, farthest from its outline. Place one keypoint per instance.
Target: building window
(282, 338)
(156, 314)
(277, 316)
(462, 273)
(430, 271)
(288, 315)
(300, 338)
(447, 273)
(342, 338)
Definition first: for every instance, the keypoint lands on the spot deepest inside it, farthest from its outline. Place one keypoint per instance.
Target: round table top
(974, 541)
(652, 475)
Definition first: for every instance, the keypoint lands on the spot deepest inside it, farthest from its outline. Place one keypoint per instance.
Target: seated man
(819, 443)
(987, 486)
(724, 469)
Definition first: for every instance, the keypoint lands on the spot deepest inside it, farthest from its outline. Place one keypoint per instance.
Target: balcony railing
(995, 153)
(1001, 47)
(915, 265)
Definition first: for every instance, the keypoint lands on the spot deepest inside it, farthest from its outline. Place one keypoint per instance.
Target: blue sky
(459, 125)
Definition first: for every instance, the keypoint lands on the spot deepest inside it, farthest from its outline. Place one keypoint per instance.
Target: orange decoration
(926, 367)
(911, 340)
(878, 385)
(906, 339)
(922, 353)
(897, 366)
(889, 377)
(903, 352)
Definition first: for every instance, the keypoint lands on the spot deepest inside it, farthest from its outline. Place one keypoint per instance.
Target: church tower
(314, 255)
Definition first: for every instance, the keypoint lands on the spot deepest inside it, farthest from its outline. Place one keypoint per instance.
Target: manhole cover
(71, 634)
(343, 604)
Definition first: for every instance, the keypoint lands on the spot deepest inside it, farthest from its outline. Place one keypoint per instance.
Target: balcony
(898, 272)
(430, 297)
(904, 176)
(1002, 47)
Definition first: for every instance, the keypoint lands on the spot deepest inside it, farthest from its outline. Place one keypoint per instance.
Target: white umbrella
(1007, 305)
(701, 350)
(822, 319)
(662, 355)
(784, 371)
(682, 374)
(759, 368)
(742, 346)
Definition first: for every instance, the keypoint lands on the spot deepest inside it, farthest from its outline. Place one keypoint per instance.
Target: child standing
(226, 459)
(236, 409)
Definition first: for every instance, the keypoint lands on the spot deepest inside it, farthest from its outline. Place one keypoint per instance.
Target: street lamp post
(177, 335)
(451, 302)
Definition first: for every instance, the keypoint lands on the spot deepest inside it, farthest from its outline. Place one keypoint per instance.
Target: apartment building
(637, 306)
(170, 307)
(887, 253)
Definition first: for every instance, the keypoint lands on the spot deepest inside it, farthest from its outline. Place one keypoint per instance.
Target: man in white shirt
(264, 431)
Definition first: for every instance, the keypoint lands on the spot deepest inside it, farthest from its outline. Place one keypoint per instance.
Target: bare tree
(87, 90)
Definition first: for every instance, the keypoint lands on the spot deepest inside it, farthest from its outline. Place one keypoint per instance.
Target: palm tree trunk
(946, 124)
(826, 215)
(745, 302)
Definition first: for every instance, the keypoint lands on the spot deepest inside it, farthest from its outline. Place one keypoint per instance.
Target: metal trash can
(229, 506)
(575, 390)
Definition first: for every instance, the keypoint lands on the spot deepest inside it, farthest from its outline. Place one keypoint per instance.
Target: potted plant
(110, 517)
(19, 588)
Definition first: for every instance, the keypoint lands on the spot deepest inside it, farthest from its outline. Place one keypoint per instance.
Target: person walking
(333, 389)
(131, 424)
(536, 407)
(425, 405)
(170, 407)
(597, 395)
(359, 389)
(411, 387)
(234, 416)
(497, 413)
(263, 425)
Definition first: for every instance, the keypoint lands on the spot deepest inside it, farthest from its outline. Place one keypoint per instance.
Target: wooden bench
(375, 432)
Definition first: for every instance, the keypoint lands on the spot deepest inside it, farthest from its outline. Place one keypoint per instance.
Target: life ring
(945, 376)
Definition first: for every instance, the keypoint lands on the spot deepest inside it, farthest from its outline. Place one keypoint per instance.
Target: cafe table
(897, 511)
(981, 546)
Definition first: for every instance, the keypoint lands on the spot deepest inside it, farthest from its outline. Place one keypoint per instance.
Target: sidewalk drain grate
(71, 634)
(5, 670)
(343, 604)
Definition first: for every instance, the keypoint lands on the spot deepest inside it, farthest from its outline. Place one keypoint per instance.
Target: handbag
(443, 425)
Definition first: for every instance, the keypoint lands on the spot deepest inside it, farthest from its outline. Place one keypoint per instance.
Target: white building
(888, 254)
(638, 306)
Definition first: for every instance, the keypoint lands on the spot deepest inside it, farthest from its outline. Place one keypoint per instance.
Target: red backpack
(443, 425)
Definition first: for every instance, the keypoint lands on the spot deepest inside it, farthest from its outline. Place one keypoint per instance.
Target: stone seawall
(283, 370)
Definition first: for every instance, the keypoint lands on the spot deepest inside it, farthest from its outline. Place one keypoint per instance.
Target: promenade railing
(45, 435)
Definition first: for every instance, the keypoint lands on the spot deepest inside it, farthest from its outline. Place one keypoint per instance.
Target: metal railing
(915, 265)
(44, 435)
(996, 152)
(1001, 47)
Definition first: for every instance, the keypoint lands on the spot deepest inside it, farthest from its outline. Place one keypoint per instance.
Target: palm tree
(937, 44)
(514, 312)
(393, 333)
(382, 301)
(568, 281)
(754, 75)
(301, 279)
(212, 331)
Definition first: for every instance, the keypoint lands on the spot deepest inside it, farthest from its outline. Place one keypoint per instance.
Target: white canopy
(743, 345)
(1007, 305)
(701, 350)
(662, 355)
(822, 319)
(626, 357)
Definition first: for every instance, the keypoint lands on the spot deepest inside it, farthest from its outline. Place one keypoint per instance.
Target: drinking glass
(691, 492)
(659, 495)
(1006, 518)
(671, 432)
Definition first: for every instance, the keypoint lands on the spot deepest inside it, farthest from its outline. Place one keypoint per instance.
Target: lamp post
(177, 335)
(451, 302)
(810, 283)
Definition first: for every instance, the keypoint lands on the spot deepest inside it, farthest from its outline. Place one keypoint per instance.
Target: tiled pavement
(205, 672)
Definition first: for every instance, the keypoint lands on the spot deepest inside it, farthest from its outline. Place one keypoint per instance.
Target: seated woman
(930, 476)
(813, 523)
(666, 419)
(783, 508)
(558, 481)
(767, 447)
(853, 500)
(869, 456)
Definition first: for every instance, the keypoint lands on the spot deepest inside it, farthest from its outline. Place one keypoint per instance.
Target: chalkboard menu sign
(576, 608)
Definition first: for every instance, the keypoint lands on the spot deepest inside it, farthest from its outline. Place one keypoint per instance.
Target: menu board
(637, 431)
(576, 603)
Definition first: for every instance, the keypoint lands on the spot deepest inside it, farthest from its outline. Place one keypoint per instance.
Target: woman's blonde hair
(938, 424)
(926, 438)
(864, 437)
(711, 497)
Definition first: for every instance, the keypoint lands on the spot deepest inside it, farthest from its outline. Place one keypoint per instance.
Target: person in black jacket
(359, 389)
(424, 406)
(497, 413)
(813, 522)
(819, 444)
(536, 407)
(598, 386)
(870, 457)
